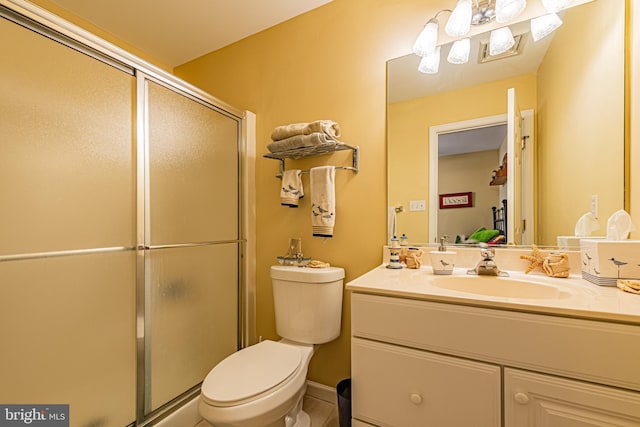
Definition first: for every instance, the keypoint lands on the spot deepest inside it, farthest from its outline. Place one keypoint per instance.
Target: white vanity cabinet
(426, 363)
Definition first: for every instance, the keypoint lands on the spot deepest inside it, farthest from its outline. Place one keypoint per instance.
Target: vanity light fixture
(500, 41)
(430, 63)
(507, 10)
(544, 25)
(479, 12)
(459, 53)
(426, 41)
(555, 5)
(459, 22)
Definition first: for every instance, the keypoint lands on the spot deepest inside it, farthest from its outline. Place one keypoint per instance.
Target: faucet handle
(486, 252)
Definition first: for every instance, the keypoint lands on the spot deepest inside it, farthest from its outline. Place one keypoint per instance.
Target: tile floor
(322, 413)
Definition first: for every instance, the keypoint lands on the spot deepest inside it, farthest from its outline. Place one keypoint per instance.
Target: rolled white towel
(291, 191)
(323, 200)
(328, 127)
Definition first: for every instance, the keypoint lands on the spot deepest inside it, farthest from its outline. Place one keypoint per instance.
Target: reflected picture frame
(456, 200)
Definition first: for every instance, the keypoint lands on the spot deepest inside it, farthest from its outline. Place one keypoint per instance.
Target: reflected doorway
(456, 133)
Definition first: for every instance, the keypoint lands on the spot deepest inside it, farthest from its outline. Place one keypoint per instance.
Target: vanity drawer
(396, 386)
(591, 350)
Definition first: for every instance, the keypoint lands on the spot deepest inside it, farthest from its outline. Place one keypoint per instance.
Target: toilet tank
(308, 303)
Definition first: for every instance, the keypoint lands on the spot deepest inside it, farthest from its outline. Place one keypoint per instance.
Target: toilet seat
(251, 373)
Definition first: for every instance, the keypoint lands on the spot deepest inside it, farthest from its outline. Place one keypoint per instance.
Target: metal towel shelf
(317, 150)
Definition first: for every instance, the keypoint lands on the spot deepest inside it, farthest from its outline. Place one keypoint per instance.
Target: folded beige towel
(291, 191)
(300, 141)
(323, 200)
(328, 127)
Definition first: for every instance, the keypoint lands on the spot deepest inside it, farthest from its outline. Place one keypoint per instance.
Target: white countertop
(584, 299)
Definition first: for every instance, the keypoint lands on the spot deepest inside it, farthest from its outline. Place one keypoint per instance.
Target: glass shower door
(67, 230)
(191, 242)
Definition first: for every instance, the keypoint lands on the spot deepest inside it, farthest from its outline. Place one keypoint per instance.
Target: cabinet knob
(416, 399)
(521, 398)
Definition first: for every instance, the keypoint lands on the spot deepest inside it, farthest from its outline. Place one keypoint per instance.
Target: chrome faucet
(487, 266)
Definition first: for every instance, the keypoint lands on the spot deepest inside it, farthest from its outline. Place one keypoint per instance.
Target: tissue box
(606, 261)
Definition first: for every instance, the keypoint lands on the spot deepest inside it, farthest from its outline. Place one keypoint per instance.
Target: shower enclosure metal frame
(51, 26)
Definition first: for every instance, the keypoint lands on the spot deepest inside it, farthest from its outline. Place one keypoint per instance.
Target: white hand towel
(323, 200)
(291, 191)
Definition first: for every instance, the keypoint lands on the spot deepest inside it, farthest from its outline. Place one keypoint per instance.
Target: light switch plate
(417, 205)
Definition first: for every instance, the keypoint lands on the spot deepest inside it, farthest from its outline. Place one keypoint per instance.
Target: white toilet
(263, 385)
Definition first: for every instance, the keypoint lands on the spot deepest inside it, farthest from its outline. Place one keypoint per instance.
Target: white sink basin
(500, 287)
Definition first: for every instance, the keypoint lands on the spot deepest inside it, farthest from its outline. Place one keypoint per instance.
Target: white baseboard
(322, 392)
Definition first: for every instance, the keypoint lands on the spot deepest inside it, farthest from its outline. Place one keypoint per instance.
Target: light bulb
(555, 5)
(459, 53)
(459, 22)
(426, 41)
(500, 41)
(506, 10)
(430, 63)
(544, 25)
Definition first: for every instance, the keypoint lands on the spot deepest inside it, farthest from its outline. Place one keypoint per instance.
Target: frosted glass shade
(506, 10)
(430, 63)
(459, 22)
(500, 41)
(555, 5)
(459, 53)
(426, 41)
(544, 25)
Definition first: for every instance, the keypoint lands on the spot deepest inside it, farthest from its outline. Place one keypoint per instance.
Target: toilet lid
(250, 372)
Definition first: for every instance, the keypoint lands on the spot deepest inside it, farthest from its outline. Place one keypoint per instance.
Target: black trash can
(344, 402)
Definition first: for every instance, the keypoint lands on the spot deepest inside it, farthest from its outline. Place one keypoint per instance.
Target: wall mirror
(570, 87)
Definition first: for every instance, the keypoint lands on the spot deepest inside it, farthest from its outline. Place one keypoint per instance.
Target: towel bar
(319, 150)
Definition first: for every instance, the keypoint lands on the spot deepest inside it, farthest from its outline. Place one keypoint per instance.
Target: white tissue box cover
(606, 261)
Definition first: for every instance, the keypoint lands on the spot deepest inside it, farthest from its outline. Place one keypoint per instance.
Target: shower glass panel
(193, 170)
(68, 331)
(192, 232)
(66, 149)
(67, 230)
(194, 315)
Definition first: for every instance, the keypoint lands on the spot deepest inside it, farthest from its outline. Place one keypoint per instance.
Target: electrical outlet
(417, 205)
(594, 205)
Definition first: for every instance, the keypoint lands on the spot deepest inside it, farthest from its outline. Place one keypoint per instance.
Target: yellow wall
(580, 137)
(408, 134)
(326, 64)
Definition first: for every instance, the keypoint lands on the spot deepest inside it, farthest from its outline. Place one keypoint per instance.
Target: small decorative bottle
(394, 254)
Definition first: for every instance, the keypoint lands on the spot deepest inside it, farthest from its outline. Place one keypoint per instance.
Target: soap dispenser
(442, 260)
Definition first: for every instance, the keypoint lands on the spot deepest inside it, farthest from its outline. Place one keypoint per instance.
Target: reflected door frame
(528, 199)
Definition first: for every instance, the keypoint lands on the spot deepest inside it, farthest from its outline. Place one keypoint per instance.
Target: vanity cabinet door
(397, 386)
(536, 400)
